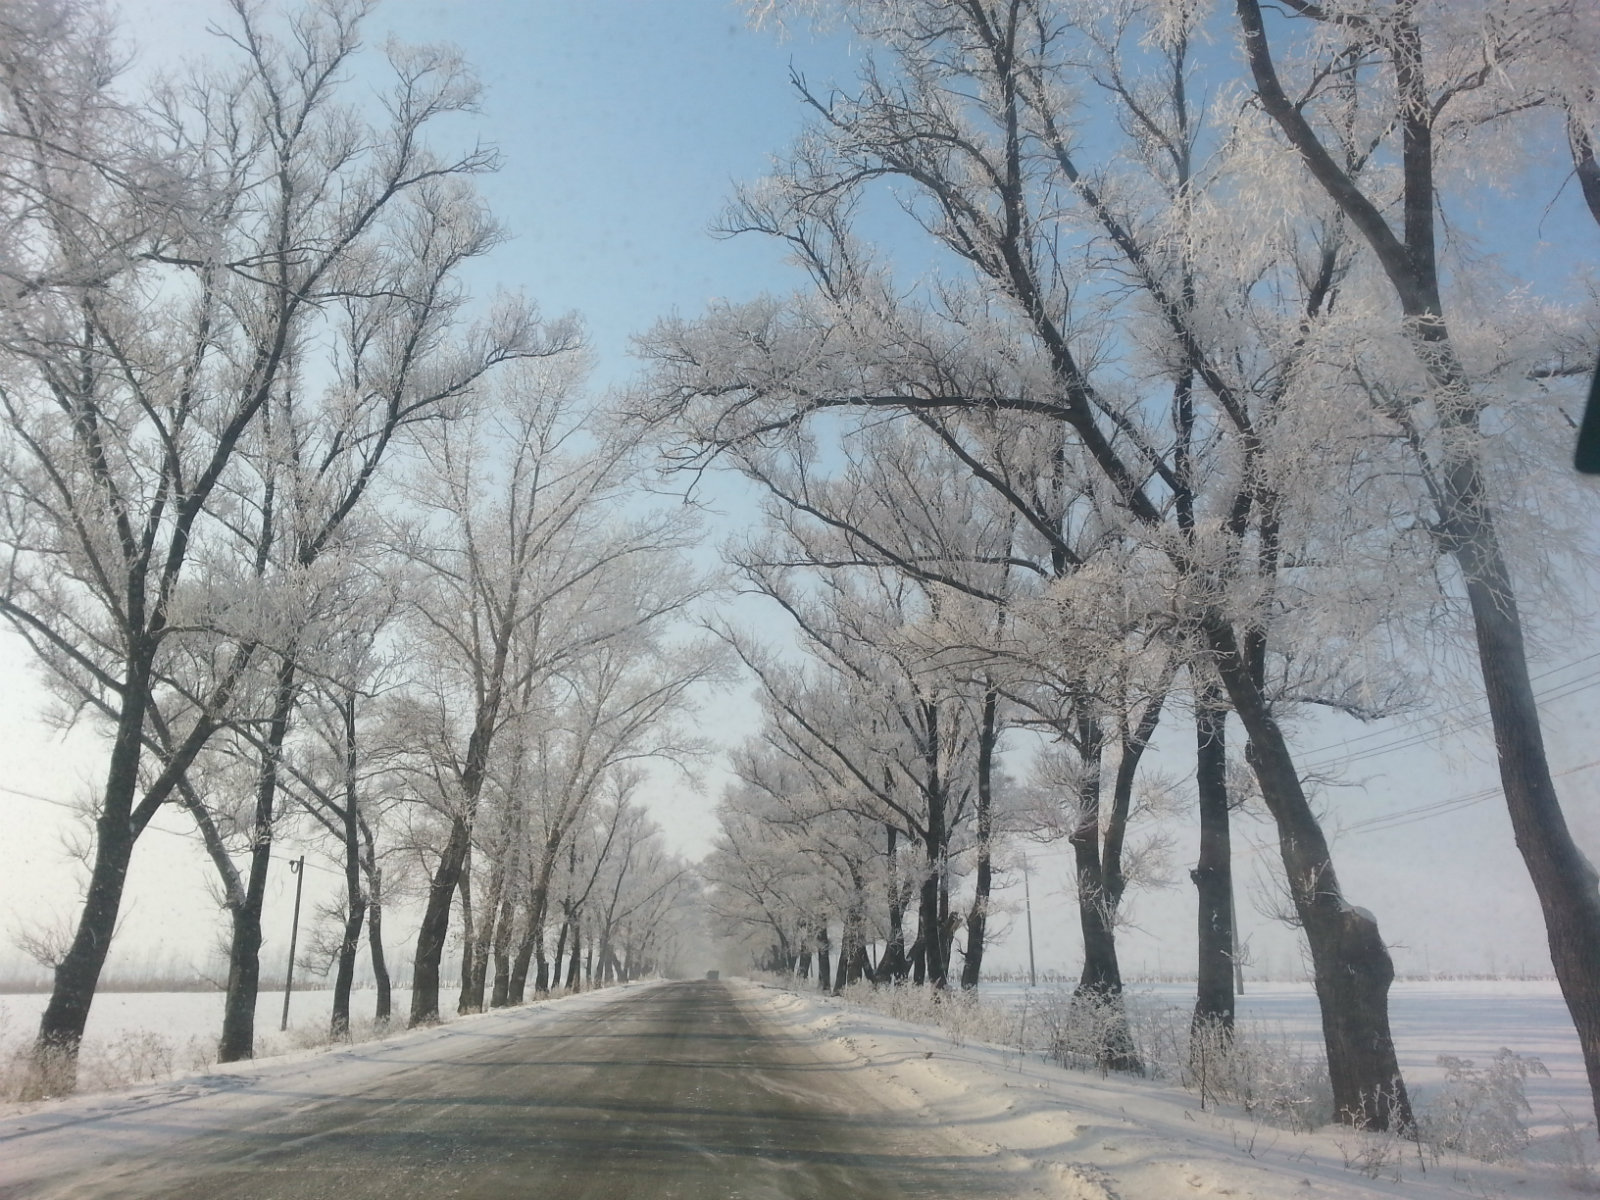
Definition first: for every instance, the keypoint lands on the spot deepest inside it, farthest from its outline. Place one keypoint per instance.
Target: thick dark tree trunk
(542, 984)
(380, 967)
(824, 960)
(930, 936)
(1563, 877)
(478, 949)
(1099, 991)
(244, 954)
(501, 996)
(1213, 874)
(894, 965)
(54, 1066)
(934, 899)
(244, 979)
(468, 939)
(355, 895)
(575, 962)
(978, 915)
(1351, 967)
(436, 925)
(530, 943)
(345, 973)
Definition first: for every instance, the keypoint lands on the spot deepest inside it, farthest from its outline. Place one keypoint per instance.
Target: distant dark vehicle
(713, 975)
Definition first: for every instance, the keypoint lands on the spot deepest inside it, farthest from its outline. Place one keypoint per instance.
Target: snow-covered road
(675, 1090)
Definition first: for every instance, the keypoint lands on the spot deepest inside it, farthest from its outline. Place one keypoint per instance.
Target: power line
(1424, 812)
(1467, 703)
(1330, 757)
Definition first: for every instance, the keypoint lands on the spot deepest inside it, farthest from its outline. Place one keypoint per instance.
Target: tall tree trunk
(1563, 877)
(978, 915)
(894, 965)
(468, 941)
(542, 986)
(1099, 992)
(244, 952)
(575, 962)
(53, 1069)
(501, 996)
(436, 925)
(355, 895)
(824, 960)
(930, 937)
(1213, 875)
(344, 976)
(936, 836)
(481, 941)
(380, 967)
(1351, 967)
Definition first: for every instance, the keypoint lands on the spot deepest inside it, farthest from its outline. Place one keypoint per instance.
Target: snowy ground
(53, 1138)
(1085, 1137)
(1469, 1019)
(140, 1037)
(1094, 1138)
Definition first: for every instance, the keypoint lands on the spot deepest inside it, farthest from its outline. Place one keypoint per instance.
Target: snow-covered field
(184, 1014)
(136, 1037)
(1467, 1019)
(1117, 1138)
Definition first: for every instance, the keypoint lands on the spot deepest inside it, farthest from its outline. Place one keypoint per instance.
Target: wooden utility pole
(298, 870)
(1027, 905)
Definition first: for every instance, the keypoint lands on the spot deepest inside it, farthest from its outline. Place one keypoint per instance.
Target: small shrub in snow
(1479, 1110)
(1090, 1031)
(134, 1056)
(1577, 1172)
(1376, 1153)
(1273, 1078)
(199, 1053)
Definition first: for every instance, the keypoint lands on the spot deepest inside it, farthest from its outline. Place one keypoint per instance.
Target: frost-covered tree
(1394, 110)
(1132, 307)
(184, 270)
(529, 561)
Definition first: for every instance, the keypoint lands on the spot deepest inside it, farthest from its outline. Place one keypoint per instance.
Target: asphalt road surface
(671, 1091)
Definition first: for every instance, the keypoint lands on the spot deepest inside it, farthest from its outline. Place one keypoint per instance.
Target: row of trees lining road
(1207, 397)
(1201, 406)
(313, 539)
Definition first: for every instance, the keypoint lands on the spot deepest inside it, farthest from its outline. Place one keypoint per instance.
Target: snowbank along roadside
(54, 1137)
(1114, 1138)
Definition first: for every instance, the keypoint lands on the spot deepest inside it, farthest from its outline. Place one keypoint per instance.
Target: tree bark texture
(1352, 970)
(244, 953)
(436, 925)
(53, 1069)
(1213, 874)
(978, 915)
